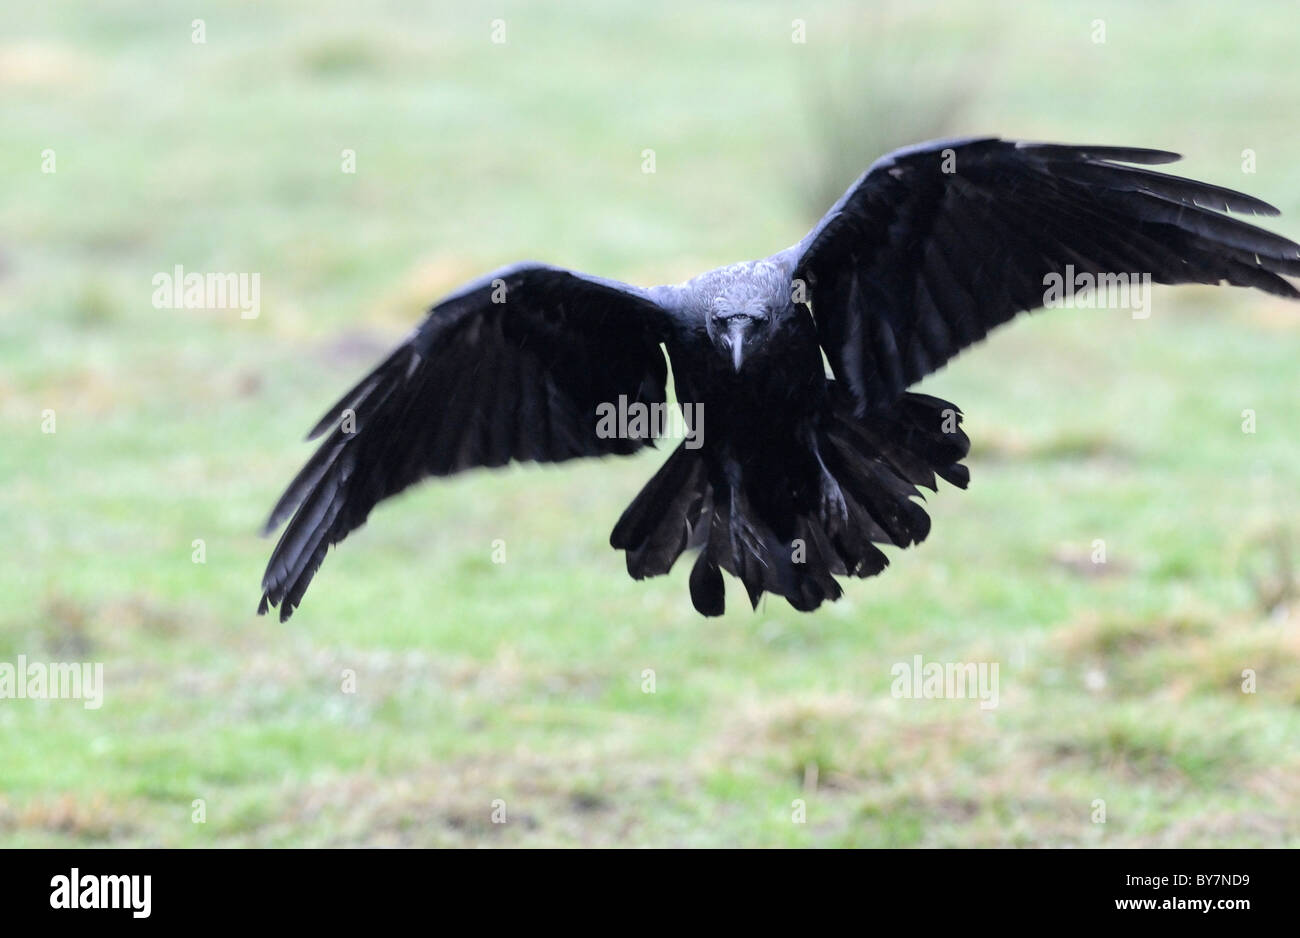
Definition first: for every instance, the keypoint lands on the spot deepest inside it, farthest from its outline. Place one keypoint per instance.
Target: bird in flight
(791, 476)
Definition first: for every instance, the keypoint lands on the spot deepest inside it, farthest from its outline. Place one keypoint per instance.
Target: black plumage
(801, 474)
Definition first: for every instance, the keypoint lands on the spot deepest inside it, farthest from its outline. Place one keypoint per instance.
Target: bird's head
(737, 331)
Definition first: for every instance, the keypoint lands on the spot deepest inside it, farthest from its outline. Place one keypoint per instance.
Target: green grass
(523, 681)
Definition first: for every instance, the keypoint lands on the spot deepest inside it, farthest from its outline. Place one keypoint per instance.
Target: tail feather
(795, 547)
(708, 594)
(745, 546)
(656, 527)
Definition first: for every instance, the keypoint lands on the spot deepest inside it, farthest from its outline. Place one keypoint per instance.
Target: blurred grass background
(523, 681)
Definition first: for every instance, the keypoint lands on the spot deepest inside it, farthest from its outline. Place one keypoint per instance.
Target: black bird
(800, 473)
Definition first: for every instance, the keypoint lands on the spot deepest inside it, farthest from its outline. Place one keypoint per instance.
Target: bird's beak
(736, 329)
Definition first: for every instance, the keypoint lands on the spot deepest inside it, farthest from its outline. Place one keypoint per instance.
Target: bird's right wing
(511, 367)
(937, 244)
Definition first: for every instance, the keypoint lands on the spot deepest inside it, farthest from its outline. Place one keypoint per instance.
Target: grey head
(741, 305)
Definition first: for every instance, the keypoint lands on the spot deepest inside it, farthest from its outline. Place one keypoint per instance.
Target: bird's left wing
(511, 367)
(937, 244)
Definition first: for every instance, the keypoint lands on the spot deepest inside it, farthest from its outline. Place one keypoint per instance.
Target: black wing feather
(938, 243)
(479, 383)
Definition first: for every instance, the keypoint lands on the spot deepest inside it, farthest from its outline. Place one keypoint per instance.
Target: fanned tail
(793, 537)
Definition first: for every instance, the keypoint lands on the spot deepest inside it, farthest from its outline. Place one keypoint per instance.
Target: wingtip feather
(1140, 155)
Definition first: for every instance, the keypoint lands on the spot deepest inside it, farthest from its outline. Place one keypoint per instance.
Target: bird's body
(795, 474)
(788, 487)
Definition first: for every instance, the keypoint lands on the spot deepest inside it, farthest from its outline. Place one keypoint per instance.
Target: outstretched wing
(511, 367)
(936, 244)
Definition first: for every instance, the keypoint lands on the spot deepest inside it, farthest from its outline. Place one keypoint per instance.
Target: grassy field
(523, 681)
